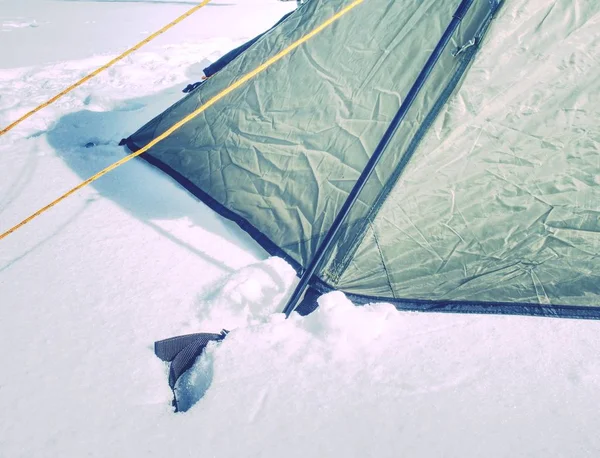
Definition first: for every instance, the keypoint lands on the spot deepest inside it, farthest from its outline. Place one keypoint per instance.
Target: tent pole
(333, 231)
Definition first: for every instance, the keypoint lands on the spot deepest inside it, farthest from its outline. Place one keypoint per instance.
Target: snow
(88, 287)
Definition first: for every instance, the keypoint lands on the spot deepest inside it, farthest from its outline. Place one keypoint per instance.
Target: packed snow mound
(372, 381)
(247, 297)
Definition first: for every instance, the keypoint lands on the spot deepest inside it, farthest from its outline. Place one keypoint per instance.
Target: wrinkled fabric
(499, 198)
(284, 150)
(502, 200)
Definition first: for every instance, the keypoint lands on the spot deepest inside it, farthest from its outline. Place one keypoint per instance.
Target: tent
(487, 199)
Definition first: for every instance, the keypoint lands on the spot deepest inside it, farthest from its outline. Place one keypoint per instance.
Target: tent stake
(333, 231)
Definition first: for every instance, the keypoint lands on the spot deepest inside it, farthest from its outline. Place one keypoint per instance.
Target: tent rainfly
(487, 199)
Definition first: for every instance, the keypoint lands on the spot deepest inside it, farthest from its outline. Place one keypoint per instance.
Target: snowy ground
(87, 288)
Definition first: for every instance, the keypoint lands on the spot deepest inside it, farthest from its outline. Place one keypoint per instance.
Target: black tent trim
(319, 286)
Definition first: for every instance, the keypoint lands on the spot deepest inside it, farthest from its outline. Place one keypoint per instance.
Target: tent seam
(385, 269)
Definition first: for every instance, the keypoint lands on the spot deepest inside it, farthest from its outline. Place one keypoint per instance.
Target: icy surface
(87, 288)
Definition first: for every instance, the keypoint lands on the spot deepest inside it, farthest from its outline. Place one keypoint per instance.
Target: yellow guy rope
(188, 118)
(104, 67)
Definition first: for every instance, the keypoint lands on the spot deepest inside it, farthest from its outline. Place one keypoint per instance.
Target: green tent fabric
(488, 198)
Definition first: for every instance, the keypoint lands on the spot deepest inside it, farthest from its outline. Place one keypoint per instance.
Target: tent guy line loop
(105, 66)
(247, 77)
